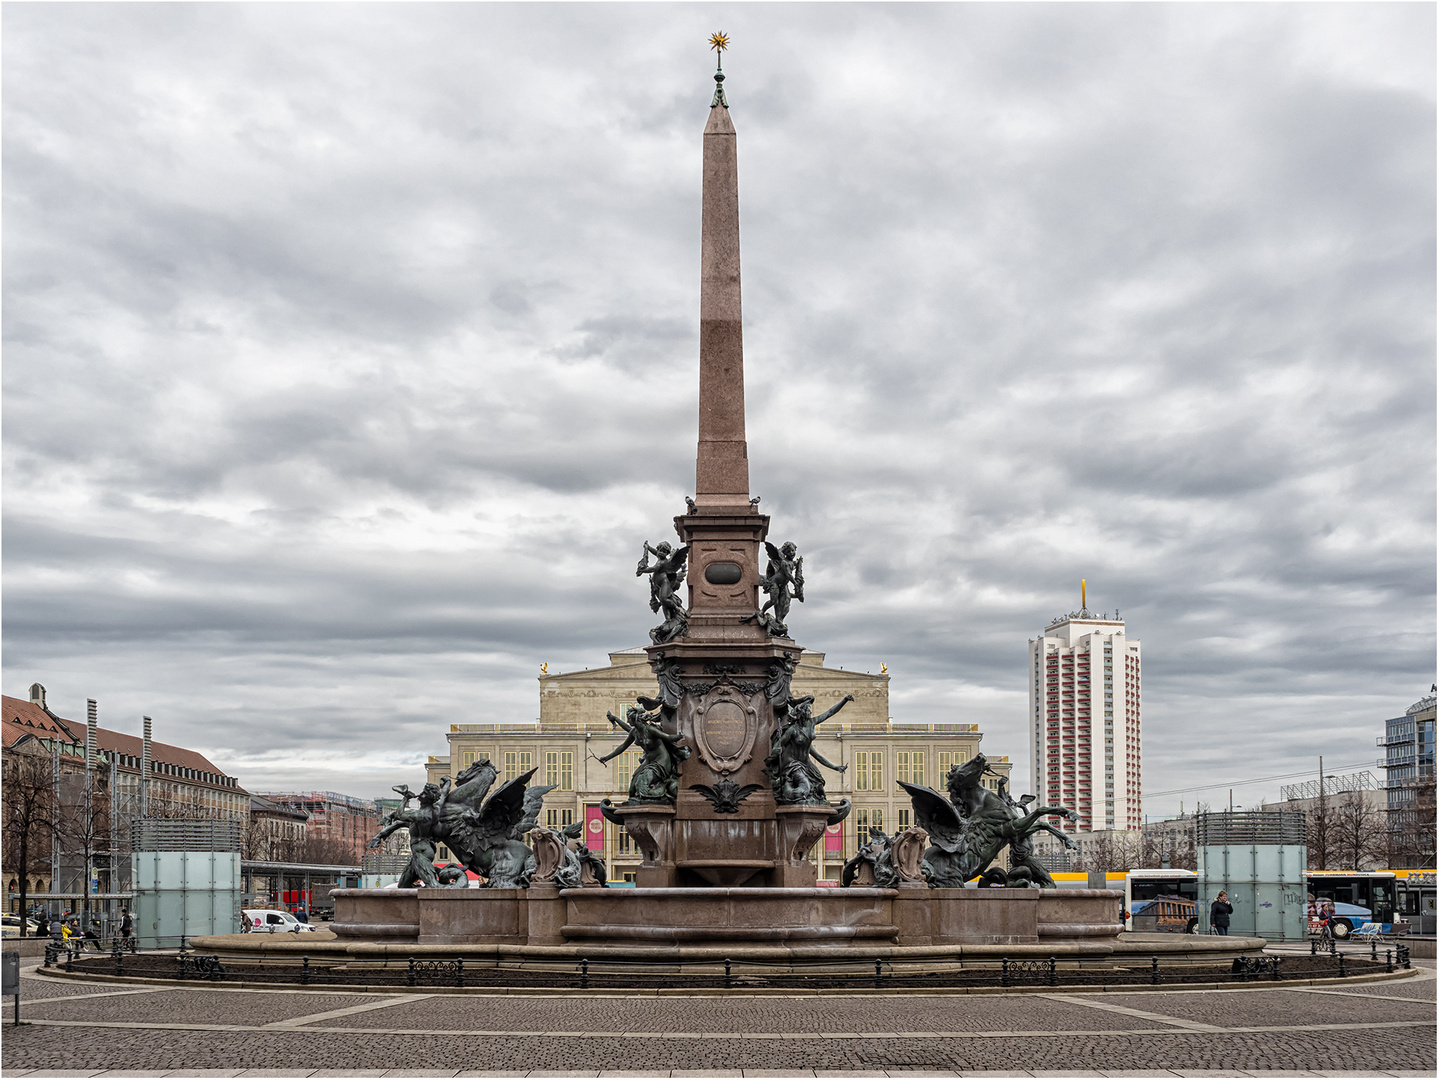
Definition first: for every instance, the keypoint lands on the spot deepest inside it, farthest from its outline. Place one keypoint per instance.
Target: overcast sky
(350, 352)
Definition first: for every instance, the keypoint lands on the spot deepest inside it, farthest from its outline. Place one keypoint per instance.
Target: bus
(1414, 899)
(1358, 897)
(1161, 901)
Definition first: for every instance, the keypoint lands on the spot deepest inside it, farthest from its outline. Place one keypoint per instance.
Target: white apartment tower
(1084, 707)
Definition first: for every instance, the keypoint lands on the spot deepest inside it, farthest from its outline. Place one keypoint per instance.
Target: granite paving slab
(183, 1006)
(1271, 1008)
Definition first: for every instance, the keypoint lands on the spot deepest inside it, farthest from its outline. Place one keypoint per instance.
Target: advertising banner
(594, 837)
(834, 839)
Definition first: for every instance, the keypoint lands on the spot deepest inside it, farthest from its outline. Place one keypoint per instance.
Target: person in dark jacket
(1219, 913)
(42, 924)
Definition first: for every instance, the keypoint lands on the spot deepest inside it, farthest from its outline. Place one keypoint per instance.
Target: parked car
(11, 926)
(271, 921)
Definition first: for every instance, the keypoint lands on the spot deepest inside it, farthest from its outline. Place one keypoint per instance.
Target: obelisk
(725, 531)
(722, 464)
(726, 672)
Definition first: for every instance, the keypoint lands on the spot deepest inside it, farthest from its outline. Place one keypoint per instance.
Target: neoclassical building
(572, 735)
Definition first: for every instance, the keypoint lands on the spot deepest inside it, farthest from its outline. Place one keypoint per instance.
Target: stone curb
(719, 992)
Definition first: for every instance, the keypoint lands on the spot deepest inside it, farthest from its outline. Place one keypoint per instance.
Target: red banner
(834, 840)
(594, 837)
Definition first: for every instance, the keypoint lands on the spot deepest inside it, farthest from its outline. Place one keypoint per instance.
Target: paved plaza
(104, 1029)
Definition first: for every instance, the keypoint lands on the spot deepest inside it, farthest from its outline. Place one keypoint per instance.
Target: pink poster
(834, 839)
(594, 837)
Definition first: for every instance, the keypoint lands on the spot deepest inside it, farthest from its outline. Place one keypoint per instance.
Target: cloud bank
(351, 351)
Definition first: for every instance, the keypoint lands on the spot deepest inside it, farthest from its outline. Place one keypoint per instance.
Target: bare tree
(1319, 821)
(83, 825)
(1111, 851)
(1356, 830)
(29, 795)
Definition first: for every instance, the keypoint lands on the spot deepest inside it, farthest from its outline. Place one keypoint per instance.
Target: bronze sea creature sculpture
(968, 829)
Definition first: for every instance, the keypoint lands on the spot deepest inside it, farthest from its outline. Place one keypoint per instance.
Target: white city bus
(1161, 901)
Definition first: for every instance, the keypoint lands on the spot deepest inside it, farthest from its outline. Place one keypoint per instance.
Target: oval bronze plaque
(725, 728)
(723, 573)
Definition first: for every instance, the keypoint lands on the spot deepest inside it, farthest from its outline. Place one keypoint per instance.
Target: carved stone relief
(725, 726)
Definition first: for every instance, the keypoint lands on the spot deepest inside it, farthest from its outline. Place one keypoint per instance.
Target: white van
(270, 921)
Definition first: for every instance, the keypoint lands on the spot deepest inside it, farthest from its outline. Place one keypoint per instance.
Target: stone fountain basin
(544, 916)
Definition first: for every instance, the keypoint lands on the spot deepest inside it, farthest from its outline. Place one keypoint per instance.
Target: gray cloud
(350, 353)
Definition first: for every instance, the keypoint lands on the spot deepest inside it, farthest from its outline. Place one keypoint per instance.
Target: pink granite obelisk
(729, 667)
(722, 464)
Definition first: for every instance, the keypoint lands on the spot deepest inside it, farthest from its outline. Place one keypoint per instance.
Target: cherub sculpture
(657, 778)
(485, 835)
(792, 756)
(666, 576)
(783, 581)
(969, 829)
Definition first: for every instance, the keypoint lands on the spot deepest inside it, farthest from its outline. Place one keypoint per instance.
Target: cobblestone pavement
(90, 1029)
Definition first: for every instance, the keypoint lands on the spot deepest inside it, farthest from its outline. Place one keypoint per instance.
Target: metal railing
(493, 970)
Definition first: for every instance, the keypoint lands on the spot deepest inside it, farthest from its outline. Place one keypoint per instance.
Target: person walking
(1219, 913)
(127, 926)
(42, 924)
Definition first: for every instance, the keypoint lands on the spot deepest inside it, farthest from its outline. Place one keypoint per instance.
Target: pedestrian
(1219, 913)
(301, 915)
(42, 924)
(127, 925)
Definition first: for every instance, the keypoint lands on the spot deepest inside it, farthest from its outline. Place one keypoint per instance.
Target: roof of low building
(21, 718)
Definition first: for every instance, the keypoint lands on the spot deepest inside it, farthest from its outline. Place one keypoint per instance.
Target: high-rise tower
(1084, 712)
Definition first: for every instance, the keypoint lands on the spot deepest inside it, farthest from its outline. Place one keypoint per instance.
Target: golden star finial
(719, 42)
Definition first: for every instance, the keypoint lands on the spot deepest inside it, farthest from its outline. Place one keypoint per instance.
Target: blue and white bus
(1358, 897)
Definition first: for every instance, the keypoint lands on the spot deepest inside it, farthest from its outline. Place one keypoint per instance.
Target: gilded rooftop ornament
(719, 42)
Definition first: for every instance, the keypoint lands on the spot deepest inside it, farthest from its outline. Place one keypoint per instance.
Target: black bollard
(459, 971)
(1053, 974)
(1389, 960)
(410, 978)
(1342, 973)
(727, 981)
(1004, 972)
(304, 971)
(584, 974)
(1374, 950)
(1154, 970)
(878, 974)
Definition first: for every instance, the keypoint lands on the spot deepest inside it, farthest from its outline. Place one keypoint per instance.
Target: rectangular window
(552, 768)
(903, 817)
(916, 761)
(567, 770)
(901, 766)
(629, 761)
(526, 761)
(869, 817)
(467, 758)
(869, 771)
(512, 765)
(625, 846)
(948, 760)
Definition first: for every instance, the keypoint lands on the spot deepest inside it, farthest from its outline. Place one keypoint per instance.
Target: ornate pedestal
(652, 827)
(800, 828)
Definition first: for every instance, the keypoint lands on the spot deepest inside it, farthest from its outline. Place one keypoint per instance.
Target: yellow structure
(573, 734)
